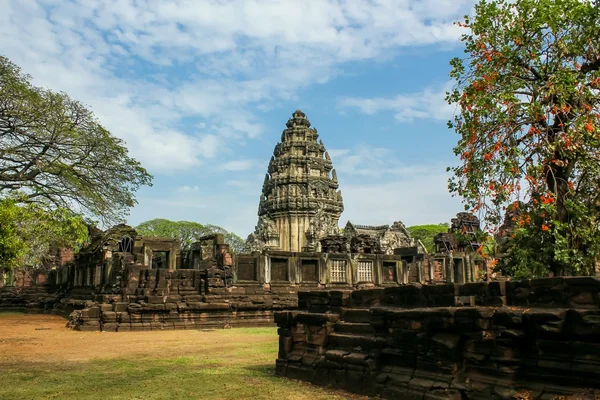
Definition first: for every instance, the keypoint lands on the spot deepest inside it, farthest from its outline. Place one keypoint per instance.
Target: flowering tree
(528, 94)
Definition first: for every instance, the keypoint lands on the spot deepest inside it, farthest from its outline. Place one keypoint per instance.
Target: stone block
(155, 299)
(315, 318)
(497, 288)
(443, 394)
(123, 317)
(362, 315)
(336, 356)
(295, 371)
(404, 296)
(109, 327)
(91, 313)
(473, 289)
(109, 316)
(285, 346)
(354, 358)
(280, 367)
(120, 306)
(517, 292)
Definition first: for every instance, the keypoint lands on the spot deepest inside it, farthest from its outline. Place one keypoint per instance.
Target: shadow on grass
(152, 378)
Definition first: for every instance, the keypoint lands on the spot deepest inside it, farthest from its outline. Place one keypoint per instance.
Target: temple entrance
(160, 260)
(458, 270)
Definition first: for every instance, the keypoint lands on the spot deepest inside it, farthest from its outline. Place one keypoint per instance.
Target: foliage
(426, 233)
(529, 125)
(54, 152)
(188, 232)
(28, 233)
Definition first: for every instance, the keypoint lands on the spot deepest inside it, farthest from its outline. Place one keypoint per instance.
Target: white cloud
(378, 188)
(143, 67)
(365, 161)
(182, 81)
(428, 104)
(187, 188)
(239, 165)
(417, 199)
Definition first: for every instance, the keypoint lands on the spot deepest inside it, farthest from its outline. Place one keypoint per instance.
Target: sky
(200, 91)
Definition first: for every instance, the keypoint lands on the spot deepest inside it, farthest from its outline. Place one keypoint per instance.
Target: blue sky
(201, 90)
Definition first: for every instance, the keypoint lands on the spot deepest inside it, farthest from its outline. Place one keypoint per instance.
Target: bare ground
(41, 358)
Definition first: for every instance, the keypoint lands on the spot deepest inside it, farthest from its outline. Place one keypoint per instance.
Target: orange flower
(547, 200)
(488, 156)
(545, 227)
(588, 127)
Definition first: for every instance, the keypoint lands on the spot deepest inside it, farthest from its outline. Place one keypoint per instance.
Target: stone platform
(534, 339)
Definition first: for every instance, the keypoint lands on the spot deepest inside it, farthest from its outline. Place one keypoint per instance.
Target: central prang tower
(300, 201)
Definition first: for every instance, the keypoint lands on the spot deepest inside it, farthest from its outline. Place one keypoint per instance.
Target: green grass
(242, 371)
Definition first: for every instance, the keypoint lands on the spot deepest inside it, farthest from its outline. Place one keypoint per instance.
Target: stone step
(354, 327)
(361, 343)
(358, 315)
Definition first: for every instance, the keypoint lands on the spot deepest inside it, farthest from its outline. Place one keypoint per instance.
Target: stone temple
(300, 203)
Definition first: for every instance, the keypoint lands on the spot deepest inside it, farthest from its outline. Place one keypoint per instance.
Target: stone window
(125, 245)
(389, 271)
(279, 269)
(246, 269)
(160, 260)
(365, 271)
(338, 271)
(309, 270)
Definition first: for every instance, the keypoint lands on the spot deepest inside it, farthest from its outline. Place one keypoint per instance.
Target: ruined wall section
(533, 339)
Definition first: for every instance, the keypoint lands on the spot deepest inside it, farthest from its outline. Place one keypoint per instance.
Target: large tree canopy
(54, 151)
(426, 233)
(28, 233)
(528, 94)
(188, 232)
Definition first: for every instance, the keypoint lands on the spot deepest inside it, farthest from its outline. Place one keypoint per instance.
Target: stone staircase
(353, 333)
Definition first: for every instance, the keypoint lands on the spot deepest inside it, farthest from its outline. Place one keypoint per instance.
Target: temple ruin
(366, 309)
(126, 281)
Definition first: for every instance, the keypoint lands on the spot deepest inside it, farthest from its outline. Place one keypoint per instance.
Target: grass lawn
(41, 359)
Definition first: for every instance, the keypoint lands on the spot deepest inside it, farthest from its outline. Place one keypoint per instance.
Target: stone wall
(24, 298)
(117, 293)
(227, 307)
(165, 299)
(533, 339)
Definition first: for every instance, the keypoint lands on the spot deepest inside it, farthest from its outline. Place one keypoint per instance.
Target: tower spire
(300, 200)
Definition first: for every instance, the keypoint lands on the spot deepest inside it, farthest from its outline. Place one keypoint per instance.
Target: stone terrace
(533, 339)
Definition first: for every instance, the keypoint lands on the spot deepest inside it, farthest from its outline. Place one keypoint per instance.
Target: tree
(54, 152)
(426, 233)
(529, 101)
(187, 232)
(29, 232)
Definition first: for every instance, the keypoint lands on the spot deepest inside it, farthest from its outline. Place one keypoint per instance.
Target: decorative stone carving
(297, 190)
(378, 239)
(321, 225)
(461, 236)
(265, 235)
